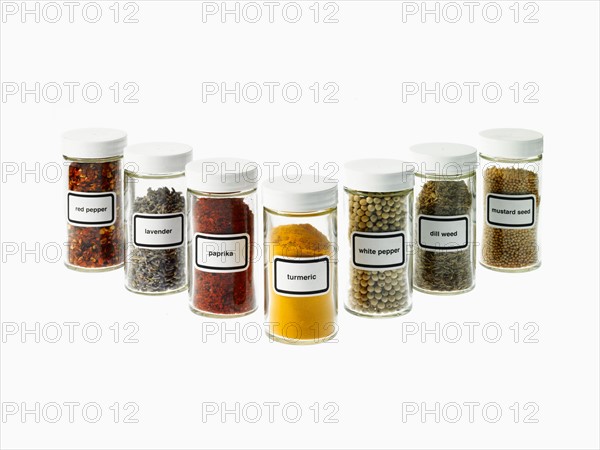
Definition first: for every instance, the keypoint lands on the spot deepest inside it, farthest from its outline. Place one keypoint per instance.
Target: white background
(370, 373)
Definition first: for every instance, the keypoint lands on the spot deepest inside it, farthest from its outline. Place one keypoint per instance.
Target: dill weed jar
(511, 170)
(94, 198)
(222, 224)
(444, 250)
(155, 217)
(300, 241)
(379, 196)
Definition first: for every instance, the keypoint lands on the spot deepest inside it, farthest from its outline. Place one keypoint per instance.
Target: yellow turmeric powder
(306, 309)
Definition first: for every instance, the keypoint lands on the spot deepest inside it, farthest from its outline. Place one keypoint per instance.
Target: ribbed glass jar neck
(323, 212)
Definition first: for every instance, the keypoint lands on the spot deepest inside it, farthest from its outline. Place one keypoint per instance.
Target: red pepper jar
(94, 198)
(222, 223)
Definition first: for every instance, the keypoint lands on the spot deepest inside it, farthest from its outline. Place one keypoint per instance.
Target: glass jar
(155, 217)
(300, 241)
(512, 173)
(94, 198)
(222, 224)
(445, 224)
(379, 197)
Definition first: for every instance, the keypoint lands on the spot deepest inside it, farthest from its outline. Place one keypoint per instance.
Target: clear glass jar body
(222, 249)
(511, 213)
(95, 214)
(445, 233)
(156, 243)
(300, 263)
(380, 232)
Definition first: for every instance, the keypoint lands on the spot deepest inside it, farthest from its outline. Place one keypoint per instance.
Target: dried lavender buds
(443, 267)
(511, 210)
(156, 259)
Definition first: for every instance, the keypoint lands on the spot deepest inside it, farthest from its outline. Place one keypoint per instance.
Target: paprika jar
(379, 198)
(155, 217)
(94, 198)
(444, 257)
(222, 224)
(512, 175)
(300, 242)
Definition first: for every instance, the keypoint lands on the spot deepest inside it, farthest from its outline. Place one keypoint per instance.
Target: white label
(378, 251)
(442, 233)
(86, 209)
(221, 252)
(510, 211)
(304, 277)
(158, 230)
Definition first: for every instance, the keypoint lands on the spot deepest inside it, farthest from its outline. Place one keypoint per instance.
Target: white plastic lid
(378, 175)
(511, 143)
(93, 143)
(306, 194)
(221, 175)
(443, 158)
(157, 157)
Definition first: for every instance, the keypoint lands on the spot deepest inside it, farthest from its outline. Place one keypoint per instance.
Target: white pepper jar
(445, 185)
(155, 217)
(512, 175)
(379, 201)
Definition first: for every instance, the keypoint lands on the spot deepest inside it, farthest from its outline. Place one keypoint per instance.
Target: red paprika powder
(222, 198)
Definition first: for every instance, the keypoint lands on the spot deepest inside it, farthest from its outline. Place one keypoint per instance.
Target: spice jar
(222, 223)
(444, 250)
(379, 196)
(94, 198)
(155, 217)
(512, 170)
(300, 223)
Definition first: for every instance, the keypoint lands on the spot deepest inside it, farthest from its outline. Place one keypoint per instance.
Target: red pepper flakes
(96, 247)
(230, 292)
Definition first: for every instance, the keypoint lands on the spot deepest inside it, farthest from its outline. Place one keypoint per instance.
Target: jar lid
(511, 143)
(444, 158)
(157, 157)
(378, 175)
(306, 194)
(93, 143)
(221, 175)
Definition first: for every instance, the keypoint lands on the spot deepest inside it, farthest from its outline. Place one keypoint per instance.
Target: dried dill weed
(444, 254)
(379, 196)
(156, 257)
(511, 184)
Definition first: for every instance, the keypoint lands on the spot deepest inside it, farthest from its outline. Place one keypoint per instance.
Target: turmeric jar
(300, 222)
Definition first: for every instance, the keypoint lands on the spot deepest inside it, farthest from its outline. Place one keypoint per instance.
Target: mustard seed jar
(444, 249)
(511, 173)
(155, 217)
(94, 198)
(379, 202)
